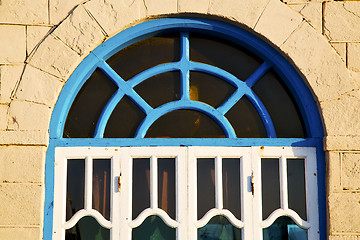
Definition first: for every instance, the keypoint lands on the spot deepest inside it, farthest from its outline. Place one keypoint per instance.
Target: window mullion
(218, 183)
(153, 182)
(88, 183)
(192, 196)
(283, 183)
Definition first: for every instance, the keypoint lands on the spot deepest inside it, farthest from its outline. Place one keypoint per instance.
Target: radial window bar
(186, 101)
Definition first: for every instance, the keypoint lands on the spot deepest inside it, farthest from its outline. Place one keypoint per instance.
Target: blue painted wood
(106, 113)
(259, 73)
(148, 73)
(184, 65)
(68, 94)
(264, 114)
(123, 86)
(232, 100)
(224, 142)
(294, 82)
(218, 72)
(239, 36)
(185, 104)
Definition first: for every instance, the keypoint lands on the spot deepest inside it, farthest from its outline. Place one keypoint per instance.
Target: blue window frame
(272, 60)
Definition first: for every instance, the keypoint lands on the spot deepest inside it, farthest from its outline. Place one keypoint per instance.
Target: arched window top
(189, 74)
(219, 96)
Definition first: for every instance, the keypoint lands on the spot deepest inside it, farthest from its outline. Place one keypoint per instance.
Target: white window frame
(186, 222)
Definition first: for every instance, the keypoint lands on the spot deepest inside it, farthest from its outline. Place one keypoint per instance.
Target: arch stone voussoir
(242, 11)
(116, 15)
(54, 57)
(321, 66)
(277, 22)
(80, 31)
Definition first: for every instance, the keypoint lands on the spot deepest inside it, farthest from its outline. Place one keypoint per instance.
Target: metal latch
(252, 183)
(119, 182)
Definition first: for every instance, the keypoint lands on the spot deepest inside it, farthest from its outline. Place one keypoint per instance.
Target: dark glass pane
(153, 228)
(270, 182)
(185, 124)
(219, 228)
(209, 89)
(231, 185)
(88, 105)
(284, 228)
(75, 186)
(281, 106)
(205, 186)
(141, 186)
(223, 54)
(124, 120)
(160, 89)
(101, 186)
(246, 120)
(296, 186)
(167, 186)
(145, 54)
(87, 229)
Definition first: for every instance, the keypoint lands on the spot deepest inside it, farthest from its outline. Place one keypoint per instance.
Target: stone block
(353, 56)
(344, 212)
(22, 164)
(326, 73)
(80, 32)
(34, 34)
(341, 115)
(60, 9)
(20, 233)
(356, 77)
(28, 116)
(312, 12)
(24, 138)
(350, 166)
(9, 76)
(54, 57)
(200, 6)
(277, 22)
(38, 86)
(344, 143)
(24, 11)
(12, 43)
(344, 237)
(340, 48)
(342, 20)
(23, 204)
(300, 1)
(333, 164)
(243, 11)
(116, 15)
(160, 7)
(3, 113)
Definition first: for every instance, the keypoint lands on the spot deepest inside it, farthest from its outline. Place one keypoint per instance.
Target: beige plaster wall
(42, 42)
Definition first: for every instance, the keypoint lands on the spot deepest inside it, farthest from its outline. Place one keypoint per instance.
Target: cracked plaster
(342, 21)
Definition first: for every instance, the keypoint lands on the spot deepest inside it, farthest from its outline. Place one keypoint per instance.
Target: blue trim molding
(272, 60)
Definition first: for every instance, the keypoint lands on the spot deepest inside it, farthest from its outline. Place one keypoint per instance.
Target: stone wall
(42, 42)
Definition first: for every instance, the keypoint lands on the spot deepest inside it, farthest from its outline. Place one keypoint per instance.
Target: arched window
(183, 128)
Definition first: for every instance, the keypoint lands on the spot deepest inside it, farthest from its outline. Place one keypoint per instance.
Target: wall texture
(42, 42)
